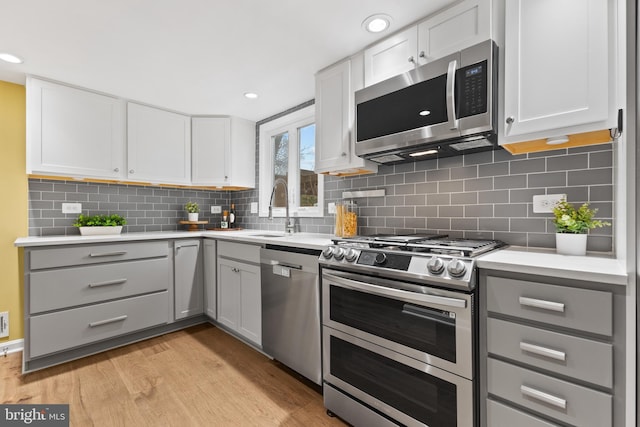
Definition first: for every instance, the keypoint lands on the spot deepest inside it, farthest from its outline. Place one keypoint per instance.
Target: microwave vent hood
(444, 108)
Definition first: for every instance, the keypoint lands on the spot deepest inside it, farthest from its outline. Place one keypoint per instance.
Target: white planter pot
(193, 216)
(96, 231)
(571, 244)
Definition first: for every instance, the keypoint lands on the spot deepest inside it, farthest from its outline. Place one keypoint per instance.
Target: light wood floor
(200, 376)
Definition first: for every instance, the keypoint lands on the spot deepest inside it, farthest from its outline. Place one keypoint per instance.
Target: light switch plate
(254, 207)
(74, 208)
(546, 202)
(331, 208)
(4, 324)
(216, 209)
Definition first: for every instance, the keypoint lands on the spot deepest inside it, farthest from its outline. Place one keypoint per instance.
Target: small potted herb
(99, 224)
(572, 226)
(192, 209)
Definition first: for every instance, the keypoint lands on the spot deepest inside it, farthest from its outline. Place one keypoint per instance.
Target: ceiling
(193, 56)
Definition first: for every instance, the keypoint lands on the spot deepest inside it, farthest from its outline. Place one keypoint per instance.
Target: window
(287, 153)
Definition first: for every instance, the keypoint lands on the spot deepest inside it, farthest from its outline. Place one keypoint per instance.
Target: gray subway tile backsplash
(480, 195)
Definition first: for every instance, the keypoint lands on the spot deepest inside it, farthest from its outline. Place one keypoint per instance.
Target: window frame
(291, 123)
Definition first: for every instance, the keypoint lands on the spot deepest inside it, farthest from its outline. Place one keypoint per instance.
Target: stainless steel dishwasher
(291, 308)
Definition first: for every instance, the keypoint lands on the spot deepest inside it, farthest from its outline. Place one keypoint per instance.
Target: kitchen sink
(268, 235)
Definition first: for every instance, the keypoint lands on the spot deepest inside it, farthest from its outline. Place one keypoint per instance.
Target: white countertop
(299, 240)
(546, 262)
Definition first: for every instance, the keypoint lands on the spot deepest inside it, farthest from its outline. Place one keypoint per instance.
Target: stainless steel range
(399, 329)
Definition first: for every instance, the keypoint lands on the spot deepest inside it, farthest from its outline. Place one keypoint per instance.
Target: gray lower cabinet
(551, 352)
(239, 290)
(83, 298)
(210, 278)
(188, 278)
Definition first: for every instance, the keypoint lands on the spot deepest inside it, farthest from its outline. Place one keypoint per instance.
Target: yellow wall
(14, 208)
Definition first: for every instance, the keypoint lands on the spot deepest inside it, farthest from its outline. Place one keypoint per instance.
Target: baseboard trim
(9, 347)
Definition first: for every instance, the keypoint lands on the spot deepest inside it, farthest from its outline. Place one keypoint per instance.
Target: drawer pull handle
(543, 397)
(99, 254)
(543, 351)
(107, 283)
(540, 303)
(107, 321)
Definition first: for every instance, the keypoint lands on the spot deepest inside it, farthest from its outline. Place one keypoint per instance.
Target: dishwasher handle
(283, 264)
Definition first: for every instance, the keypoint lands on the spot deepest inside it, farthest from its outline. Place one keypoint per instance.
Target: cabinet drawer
(62, 330)
(565, 354)
(240, 251)
(68, 287)
(94, 254)
(580, 309)
(499, 415)
(564, 401)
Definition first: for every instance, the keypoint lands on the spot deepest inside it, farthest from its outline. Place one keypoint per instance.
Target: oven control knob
(456, 268)
(435, 265)
(327, 252)
(380, 258)
(338, 253)
(351, 255)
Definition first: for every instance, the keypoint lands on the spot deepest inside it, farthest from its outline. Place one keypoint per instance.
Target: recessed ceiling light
(377, 23)
(424, 112)
(250, 95)
(7, 57)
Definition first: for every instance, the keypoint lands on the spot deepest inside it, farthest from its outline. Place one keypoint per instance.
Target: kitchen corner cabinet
(239, 291)
(223, 152)
(188, 278)
(552, 351)
(210, 278)
(73, 132)
(335, 132)
(158, 145)
(560, 81)
(81, 299)
(459, 26)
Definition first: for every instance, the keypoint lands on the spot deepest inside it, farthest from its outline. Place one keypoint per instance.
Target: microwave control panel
(472, 89)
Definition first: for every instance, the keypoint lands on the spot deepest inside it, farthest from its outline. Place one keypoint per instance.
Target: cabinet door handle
(543, 397)
(184, 246)
(100, 254)
(540, 303)
(235, 270)
(451, 96)
(543, 351)
(116, 170)
(411, 59)
(107, 321)
(510, 120)
(107, 283)
(132, 171)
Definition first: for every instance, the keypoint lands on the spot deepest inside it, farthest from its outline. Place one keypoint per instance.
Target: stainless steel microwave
(444, 108)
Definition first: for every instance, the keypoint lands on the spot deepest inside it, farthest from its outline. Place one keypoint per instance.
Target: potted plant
(91, 225)
(192, 209)
(572, 226)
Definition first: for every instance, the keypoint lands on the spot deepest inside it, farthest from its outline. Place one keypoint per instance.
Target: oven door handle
(396, 293)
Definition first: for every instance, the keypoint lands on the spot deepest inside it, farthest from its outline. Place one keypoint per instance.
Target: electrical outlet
(4, 324)
(545, 203)
(74, 208)
(254, 207)
(216, 209)
(331, 208)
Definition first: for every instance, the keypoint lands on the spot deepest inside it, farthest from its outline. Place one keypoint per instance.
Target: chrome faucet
(289, 225)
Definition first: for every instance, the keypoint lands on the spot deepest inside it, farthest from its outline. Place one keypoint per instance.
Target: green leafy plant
(568, 219)
(113, 220)
(192, 207)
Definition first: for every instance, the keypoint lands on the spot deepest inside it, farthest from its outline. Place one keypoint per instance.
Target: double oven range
(399, 323)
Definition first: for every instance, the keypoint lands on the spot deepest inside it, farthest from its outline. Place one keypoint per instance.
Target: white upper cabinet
(459, 26)
(462, 25)
(560, 67)
(392, 56)
(73, 132)
(335, 138)
(223, 152)
(159, 145)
